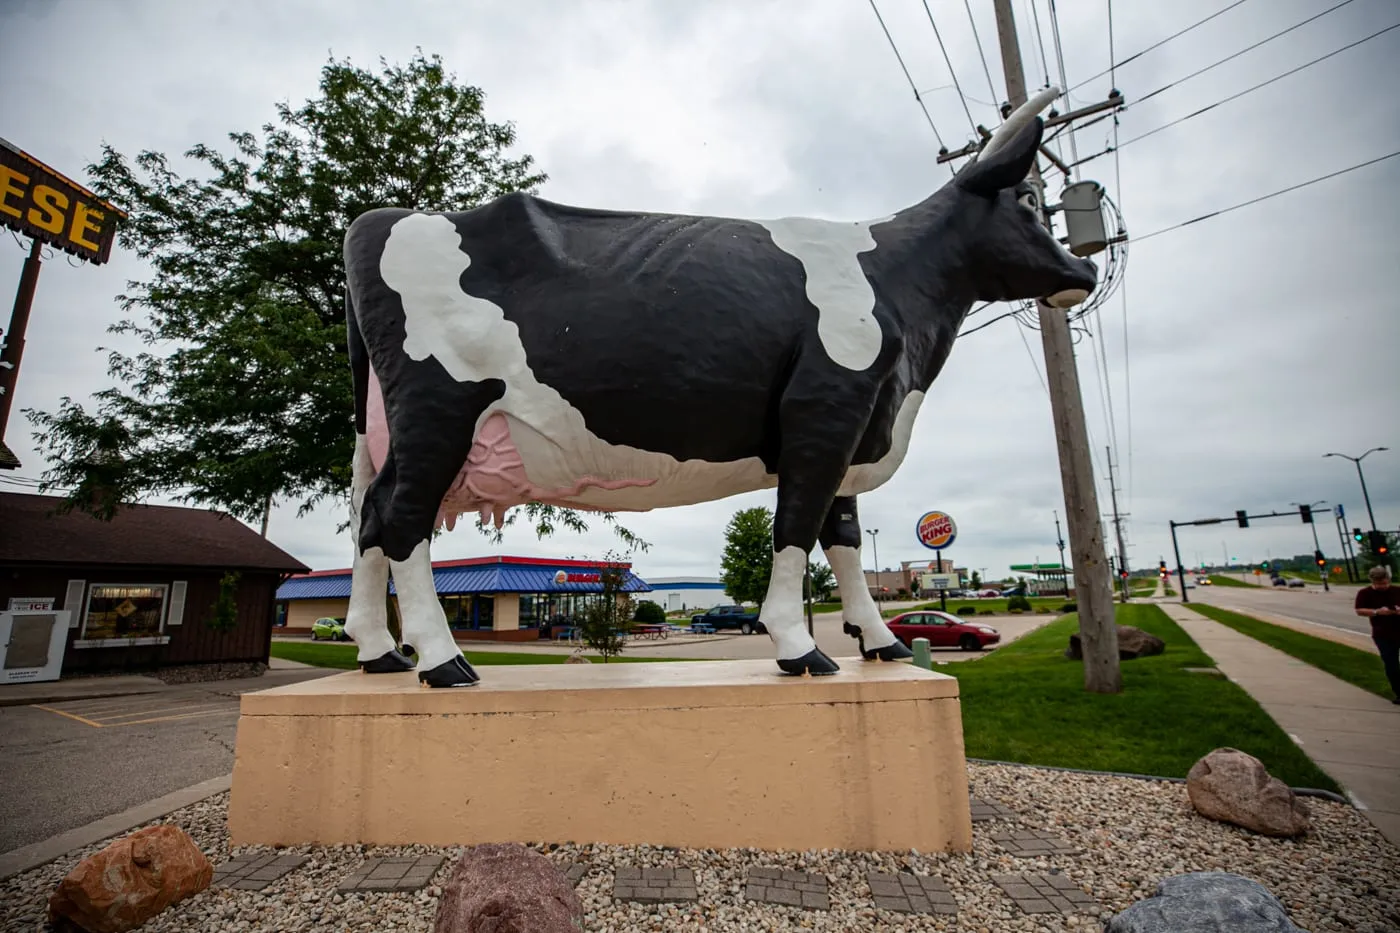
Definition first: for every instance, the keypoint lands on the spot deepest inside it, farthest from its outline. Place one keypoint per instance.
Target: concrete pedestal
(702, 754)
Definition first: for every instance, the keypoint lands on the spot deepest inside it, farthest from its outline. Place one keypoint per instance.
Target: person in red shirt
(1380, 602)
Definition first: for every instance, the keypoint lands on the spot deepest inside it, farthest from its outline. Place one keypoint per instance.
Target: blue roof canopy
(479, 578)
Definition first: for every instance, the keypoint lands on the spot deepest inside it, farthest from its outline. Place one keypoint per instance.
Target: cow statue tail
(359, 365)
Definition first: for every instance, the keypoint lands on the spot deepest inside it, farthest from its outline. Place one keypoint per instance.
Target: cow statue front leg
(840, 538)
(440, 661)
(367, 618)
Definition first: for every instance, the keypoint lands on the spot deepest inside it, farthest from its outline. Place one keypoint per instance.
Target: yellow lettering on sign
(83, 217)
(8, 177)
(48, 210)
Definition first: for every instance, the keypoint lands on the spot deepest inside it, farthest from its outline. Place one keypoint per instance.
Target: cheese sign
(41, 203)
(936, 530)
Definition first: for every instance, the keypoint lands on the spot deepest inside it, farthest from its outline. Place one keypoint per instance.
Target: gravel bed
(1127, 833)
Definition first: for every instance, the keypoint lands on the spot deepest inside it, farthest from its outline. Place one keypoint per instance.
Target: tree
(976, 580)
(747, 561)
(649, 613)
(606, 619)
(823, 581)
(242, 394)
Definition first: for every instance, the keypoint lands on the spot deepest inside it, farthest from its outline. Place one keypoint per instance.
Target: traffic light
(1321, 561)
(1356, 535)
(1265, 565)
(1242, 518)
(1162, 567)
(1378, 545)
(1306, 512)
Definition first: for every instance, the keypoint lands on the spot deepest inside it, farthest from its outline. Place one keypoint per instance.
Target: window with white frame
(124, 610)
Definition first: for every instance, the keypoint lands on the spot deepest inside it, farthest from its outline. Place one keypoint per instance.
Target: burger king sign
(936, 530)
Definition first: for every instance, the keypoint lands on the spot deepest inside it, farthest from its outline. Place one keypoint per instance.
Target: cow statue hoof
(391, 662)
(813, 662)
(893, 652)
(453, 673)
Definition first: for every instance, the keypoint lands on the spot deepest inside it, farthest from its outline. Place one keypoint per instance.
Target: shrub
(1018, 602)
(650, 613)
(1070, 607)
(966, 611)
(1015, 612)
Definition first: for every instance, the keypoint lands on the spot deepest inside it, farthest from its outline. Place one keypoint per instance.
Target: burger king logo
(936, 530)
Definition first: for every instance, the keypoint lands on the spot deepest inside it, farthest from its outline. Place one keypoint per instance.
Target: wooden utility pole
(1118, 528)
(1093, 591)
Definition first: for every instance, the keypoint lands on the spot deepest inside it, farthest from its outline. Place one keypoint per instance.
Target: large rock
(1235, 787)
(507, 888)
(1132, 643)
(131, 880)
(1206, 902)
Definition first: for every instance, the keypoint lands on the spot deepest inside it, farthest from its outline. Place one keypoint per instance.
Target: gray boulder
(1234, 787)
(507, 888)
(1132, 643)
(1206, 902)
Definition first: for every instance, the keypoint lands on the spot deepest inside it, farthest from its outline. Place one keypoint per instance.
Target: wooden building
(157, 586)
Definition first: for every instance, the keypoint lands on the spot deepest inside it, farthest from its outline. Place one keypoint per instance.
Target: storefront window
(123, 611)
(452, 608)
(485, 612)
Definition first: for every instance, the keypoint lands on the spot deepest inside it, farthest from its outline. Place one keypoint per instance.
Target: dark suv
(731, 617)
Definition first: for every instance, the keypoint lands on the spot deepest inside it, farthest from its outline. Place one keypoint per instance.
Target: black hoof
(894, 652)
(390, 662)
(813, 662)
(454, 673)
(407, 649)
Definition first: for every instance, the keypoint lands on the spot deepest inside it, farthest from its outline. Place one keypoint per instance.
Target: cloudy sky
(1255, 342)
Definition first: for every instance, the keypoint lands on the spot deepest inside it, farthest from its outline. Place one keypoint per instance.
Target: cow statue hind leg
(840, 538)
(367, 618)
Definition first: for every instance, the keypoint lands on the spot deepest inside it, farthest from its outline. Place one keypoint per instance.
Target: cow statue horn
(1019, 119)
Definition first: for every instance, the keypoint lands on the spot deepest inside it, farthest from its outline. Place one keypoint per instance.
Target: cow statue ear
(1008, 166)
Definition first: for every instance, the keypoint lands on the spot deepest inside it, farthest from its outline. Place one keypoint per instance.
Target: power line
(972, 124)
(899, 58)
(1238, 95)
(1242, 51)
(989, 323)
(1026, 343)
(1040, 42)
(1118, 196)
(983, 55)
(1156, 45)
(1265, 197)
(1064, 81)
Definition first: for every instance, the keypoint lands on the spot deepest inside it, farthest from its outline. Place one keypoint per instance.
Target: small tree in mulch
(604, 623)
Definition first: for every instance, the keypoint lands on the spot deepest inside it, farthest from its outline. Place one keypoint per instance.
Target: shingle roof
(139, 535)
(488, 578)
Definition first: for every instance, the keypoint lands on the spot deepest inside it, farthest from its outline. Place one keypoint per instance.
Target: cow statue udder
(529, 351)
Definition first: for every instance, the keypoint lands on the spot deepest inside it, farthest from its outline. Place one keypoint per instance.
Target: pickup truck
(731, 617)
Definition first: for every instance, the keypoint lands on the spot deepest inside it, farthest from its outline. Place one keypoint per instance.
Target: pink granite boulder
(1234, 787)
(507, 888)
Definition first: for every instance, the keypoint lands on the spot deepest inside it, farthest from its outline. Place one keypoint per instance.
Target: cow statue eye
(1030, 200)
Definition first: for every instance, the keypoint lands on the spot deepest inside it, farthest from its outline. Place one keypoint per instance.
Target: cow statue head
(1012, 255)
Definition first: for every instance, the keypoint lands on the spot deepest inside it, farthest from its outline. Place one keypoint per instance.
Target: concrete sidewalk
(1349, 732)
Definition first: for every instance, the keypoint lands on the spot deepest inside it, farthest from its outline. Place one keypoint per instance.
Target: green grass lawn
(984, 606)
(342, 656)
(1217, 579)
(1026, 702)
(1357, 667)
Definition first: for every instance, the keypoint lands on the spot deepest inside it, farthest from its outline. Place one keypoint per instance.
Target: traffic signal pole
(1180, 570)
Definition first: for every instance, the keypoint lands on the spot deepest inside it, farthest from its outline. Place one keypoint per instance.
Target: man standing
(1380, 602)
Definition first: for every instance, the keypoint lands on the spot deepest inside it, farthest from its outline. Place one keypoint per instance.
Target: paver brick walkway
(654, 885)
(1029, 842)
(575, 872)
(407, 873)
(254, 872)
(911, 894)
(784, 886)
(1044, 894)
(985, 810)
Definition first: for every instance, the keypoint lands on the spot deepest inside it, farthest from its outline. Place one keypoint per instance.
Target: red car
(943, 630)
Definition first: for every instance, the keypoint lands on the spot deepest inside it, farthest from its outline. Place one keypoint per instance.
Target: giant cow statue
(528, 351)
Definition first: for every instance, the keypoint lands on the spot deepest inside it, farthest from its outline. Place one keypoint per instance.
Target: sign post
(936, 531)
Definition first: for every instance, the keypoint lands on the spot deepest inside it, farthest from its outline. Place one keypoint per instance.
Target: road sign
(1258, 572)
(1341, 512)
(936, 530)
(932, 582)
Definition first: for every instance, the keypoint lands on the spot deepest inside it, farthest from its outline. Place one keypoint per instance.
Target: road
(1311, 605)
(63, 765)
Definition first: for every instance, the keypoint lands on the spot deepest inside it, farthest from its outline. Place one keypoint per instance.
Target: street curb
(40, 853)
(62, 697)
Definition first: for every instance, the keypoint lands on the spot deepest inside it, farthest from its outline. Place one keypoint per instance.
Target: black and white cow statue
(528, 351)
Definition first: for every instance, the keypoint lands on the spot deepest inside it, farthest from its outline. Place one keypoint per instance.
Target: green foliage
(1020, 603)
(1217, 579)
(965, 611)
(1026, 702)
(649, 613)
(1070, 607)
(823, 582)
(747, 561)
(242, 394)
(607, 617)
(976, 580)
(224, 613)
(1359, 668)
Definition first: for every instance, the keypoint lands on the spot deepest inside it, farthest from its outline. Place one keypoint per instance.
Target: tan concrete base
(703, 754)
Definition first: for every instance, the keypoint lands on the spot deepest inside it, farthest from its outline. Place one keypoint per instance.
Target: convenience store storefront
(484, 598)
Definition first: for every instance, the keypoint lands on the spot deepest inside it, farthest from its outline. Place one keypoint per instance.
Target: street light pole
(875, 547)
(1364, 494)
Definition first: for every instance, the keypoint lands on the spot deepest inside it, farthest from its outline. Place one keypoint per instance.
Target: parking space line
(74, 717)
(169, 709)
(139, 722)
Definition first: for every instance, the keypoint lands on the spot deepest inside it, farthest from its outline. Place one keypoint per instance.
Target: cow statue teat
(611, 361)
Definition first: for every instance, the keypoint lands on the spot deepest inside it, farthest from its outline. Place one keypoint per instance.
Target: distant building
(484, 598)
(140, 589)
(674, 593)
